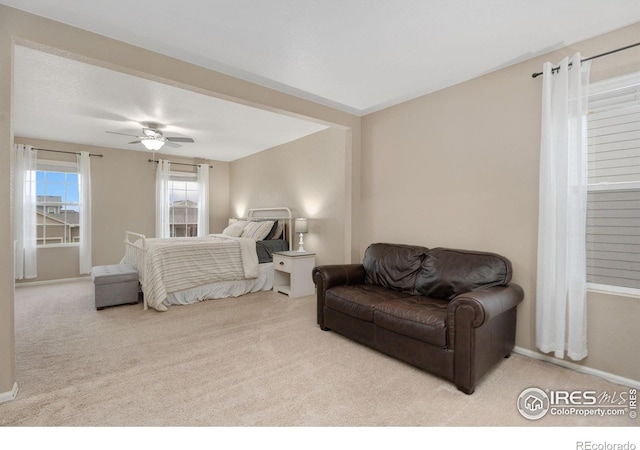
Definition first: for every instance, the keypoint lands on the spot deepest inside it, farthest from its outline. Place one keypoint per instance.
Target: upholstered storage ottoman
(116, 284)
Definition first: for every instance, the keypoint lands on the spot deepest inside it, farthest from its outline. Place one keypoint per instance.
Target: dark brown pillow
(393, 266)
(447, 273)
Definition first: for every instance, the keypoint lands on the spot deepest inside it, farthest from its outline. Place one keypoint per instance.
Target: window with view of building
(57, 204)
(183, 209)
(182, 201)
(613, 198)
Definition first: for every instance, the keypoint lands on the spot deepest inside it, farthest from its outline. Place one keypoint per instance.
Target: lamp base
(301, 245)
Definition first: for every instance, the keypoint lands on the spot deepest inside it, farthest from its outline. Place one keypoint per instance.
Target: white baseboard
(11, 395)
(579, 368)
(63, 280)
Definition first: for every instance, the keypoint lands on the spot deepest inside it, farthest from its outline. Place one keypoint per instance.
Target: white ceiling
(64, 100)
(356, 55)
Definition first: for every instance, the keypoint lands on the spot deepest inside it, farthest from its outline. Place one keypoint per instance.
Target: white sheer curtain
(24, 211)
(561, 280)
(203, 200)
(84, 190)
(162, 199)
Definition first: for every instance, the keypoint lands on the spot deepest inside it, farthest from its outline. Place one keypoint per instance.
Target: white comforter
(181, 263)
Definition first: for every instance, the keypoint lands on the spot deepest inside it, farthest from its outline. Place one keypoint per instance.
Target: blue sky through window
(61, 184)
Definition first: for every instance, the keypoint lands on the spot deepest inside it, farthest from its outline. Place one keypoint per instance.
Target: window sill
(613, 290)
(75, 244)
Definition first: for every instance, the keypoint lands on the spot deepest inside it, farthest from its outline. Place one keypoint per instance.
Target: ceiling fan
(153, 138)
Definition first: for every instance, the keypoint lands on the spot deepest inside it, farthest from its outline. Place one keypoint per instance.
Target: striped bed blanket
(181, 263)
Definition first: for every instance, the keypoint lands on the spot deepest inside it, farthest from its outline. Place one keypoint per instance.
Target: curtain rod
(62, 151)
(180, 164)
(555, 69)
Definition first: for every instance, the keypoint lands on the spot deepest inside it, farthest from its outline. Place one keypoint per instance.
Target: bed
(181, 271)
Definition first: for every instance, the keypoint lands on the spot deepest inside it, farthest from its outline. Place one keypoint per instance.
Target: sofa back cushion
(394, 266)
(446, 273)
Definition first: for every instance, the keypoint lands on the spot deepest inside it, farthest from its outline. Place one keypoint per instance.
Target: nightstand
(292, 273)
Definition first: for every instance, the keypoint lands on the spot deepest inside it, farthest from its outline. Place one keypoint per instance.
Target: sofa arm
(485, 303)
(326, 277)
(482, 326)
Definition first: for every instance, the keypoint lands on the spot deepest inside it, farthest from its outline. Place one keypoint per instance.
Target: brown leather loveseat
(449, 312)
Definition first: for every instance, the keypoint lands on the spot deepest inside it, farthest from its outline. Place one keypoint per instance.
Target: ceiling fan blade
(171, 144)
(122, 134)
(135, 142)
(179, 139)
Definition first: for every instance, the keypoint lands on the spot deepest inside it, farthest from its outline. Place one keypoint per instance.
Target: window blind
(613, 238)
(613, 199)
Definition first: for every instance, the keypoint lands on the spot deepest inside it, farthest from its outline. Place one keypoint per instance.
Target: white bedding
(224, 289)
(178, 264)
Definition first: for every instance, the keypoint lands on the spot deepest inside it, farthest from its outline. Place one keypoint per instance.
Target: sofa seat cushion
(418, 317)
(359, 300)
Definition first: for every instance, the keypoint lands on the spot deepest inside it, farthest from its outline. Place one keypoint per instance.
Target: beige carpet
(258, 360)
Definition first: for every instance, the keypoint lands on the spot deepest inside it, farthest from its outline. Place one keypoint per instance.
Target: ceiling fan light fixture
(152, 144)
(153, 139)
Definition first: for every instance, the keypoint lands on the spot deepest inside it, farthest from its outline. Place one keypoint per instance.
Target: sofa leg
(507, 355)
(325, 329)
(467, 391)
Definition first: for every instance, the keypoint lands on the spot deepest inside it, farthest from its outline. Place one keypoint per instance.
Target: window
(182, 201)
(57, 203)
(183, 205)
(613, 199)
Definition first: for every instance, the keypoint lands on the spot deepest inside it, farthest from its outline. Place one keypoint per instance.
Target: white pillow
(235, 229)
(257, 230)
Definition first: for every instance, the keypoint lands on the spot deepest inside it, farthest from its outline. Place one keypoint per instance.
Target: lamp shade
(301, 226)
(152, 144)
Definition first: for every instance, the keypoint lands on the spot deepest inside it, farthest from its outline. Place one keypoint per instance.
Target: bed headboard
(276, 213)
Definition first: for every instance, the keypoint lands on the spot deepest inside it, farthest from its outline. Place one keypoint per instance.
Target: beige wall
(459, 168)
(123, 199)
(7, 343)
(46, 35)
(306, 175)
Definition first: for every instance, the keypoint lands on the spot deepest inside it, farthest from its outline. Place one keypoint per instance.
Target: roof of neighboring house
(187, 203)
(66, 216)
(69, 217)
(183, 212)
(49, 198)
